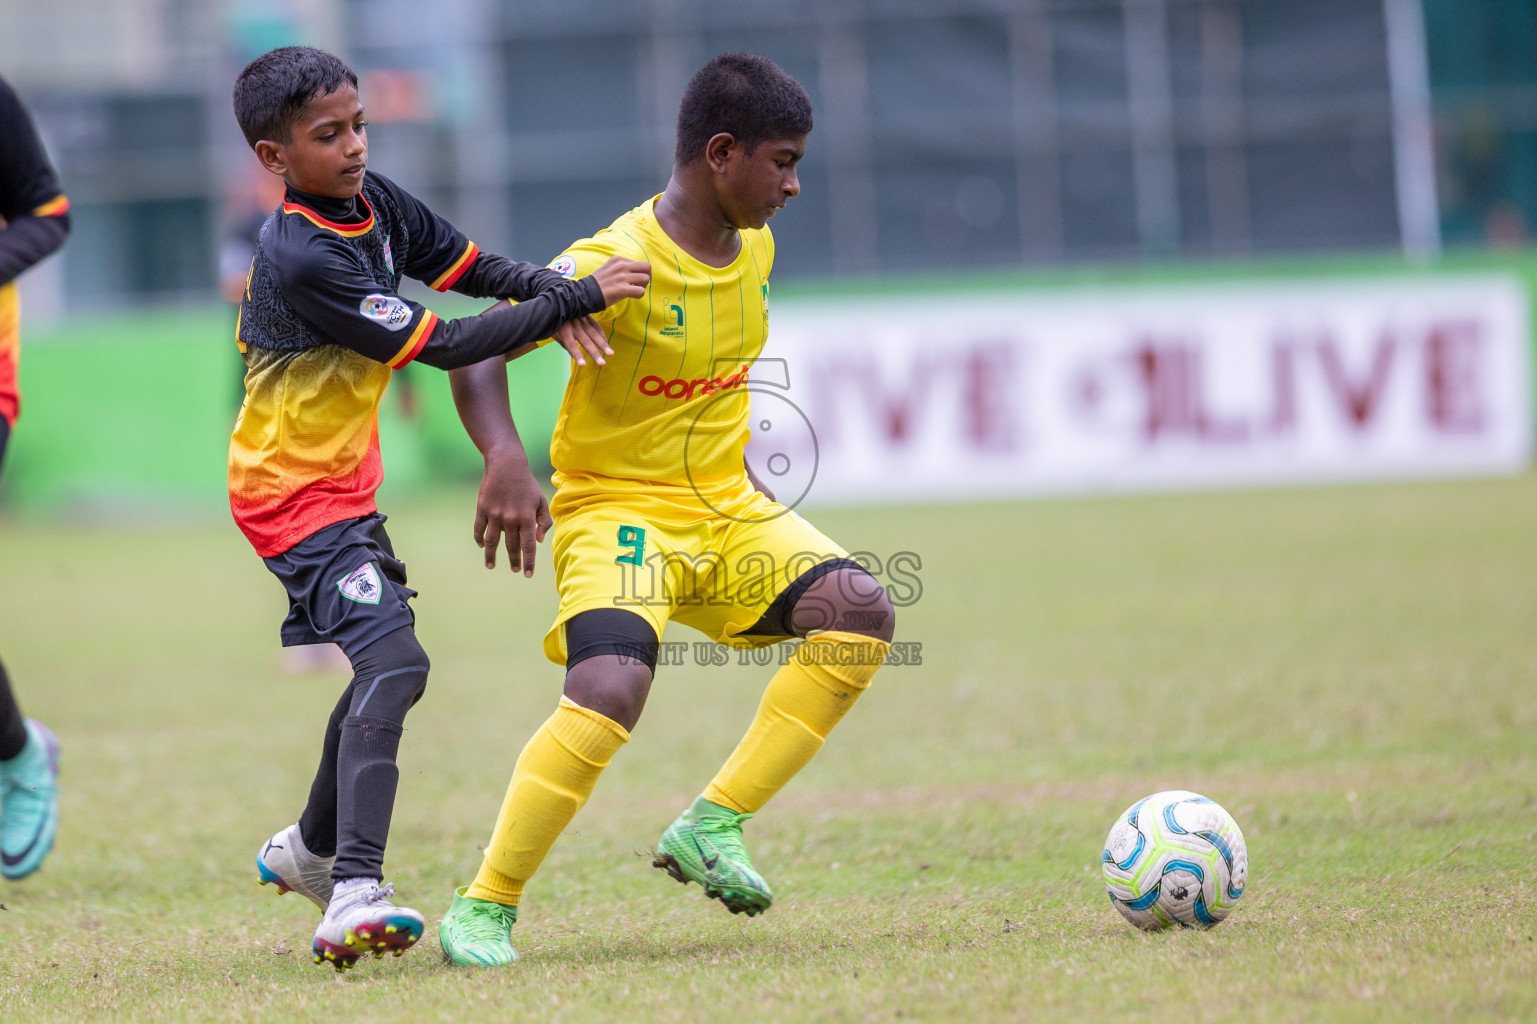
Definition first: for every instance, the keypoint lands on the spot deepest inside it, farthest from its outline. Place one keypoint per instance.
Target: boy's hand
(622, 279)
(510, 503)
(583, 335)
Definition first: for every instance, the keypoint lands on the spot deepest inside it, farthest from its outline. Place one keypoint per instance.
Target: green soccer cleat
(705, 845)
(478, 933)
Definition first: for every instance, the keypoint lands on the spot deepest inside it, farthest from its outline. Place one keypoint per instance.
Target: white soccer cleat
(363, 920)
(288, 862)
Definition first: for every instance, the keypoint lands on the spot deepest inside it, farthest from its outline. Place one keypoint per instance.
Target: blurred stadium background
(1005, 145)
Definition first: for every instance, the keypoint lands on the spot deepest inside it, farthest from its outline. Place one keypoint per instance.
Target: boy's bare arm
(511, 503)
(758, 485)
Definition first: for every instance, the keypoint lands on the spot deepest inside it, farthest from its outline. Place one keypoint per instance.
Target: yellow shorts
(718, 573)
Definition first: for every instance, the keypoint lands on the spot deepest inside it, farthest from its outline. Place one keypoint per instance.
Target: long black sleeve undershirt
(323, 279)
(497, 277)
(26, 240)
(497, 331)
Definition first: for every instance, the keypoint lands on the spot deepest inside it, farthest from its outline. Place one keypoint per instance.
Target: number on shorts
(634, 538)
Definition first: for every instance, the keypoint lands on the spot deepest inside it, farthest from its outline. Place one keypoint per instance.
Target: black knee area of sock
(390, 676)
(366, 781)
(317, 825)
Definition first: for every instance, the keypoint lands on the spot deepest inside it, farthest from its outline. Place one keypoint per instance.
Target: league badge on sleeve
(361, 585)
(565, 266)
(389, 310)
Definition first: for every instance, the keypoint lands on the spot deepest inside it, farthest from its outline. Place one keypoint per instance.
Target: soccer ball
(1175, 858)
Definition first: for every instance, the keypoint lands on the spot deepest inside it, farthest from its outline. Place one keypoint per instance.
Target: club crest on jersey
(361, 585)
(389, 310)
(672, 312)
(565, 266)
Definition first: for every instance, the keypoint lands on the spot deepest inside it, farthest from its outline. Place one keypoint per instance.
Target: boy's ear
(717, 152)
(273, 156)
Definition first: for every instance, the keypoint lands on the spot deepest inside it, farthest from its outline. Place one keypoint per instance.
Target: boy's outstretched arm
(501, 329)
(510, 503)
(326, 284)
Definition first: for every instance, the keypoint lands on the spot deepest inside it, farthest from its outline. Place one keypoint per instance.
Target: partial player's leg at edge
(29, 796)
(29, 774)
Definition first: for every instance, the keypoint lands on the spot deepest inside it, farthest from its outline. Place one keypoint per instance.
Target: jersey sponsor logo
(389, 310)
(565, 266)
(389, 257)
(361, 585)
(673, 313)
(680, 389)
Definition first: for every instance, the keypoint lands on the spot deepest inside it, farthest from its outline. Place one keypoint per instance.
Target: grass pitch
(1349, 671)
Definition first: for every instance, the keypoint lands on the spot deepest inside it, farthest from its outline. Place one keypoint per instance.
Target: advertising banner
(974, 394)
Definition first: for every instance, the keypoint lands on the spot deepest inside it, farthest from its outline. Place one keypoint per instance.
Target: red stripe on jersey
(58, 206)
(455, 271)
(347, 230)
(413, 346)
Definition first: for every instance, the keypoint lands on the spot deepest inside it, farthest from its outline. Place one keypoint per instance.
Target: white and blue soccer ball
(1175, 858)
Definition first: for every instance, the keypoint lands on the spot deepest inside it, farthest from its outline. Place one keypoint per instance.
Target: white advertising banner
(964, 395)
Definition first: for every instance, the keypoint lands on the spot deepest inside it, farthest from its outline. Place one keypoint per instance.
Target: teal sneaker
(705, 845)
(477, 933)
(29, 803)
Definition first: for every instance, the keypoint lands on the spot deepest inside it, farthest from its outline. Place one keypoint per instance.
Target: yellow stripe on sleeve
(417, 341)
(55, 207)
(456, 269)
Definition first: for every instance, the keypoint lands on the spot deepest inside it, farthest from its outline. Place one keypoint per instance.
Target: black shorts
(345, 586)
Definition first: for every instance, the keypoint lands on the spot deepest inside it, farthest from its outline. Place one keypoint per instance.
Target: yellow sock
(553, 778)
(803, 702)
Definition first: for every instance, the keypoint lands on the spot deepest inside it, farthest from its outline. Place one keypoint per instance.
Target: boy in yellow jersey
(657, 516)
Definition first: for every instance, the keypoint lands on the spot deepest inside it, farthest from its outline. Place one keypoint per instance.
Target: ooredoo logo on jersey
(679, 389)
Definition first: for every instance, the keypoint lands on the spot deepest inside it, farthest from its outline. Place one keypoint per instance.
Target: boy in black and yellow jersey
(322, 327)
(34, 218)
(657, 516)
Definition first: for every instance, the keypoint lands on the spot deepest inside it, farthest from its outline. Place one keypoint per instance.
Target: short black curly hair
(275, 88)
(746, 95)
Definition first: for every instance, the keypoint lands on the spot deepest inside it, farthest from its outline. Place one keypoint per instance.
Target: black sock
(13, 731)
(353, 795)
(366, 779)
(317, 825)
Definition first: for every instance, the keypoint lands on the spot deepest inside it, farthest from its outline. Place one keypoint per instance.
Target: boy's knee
(873, 615)
(614, 686)
(848, 600)
(390, 676)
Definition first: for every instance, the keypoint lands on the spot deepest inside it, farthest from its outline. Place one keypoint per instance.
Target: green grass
(1349, 671)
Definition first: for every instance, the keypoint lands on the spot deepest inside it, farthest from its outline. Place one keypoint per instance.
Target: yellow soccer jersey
(668, 415)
